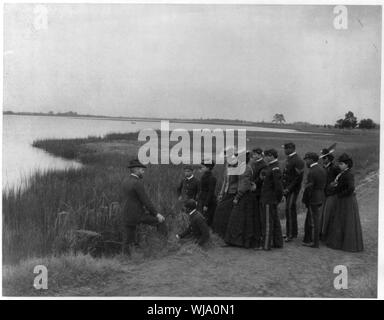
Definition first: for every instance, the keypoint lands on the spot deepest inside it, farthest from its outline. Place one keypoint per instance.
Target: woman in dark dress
(241, 226)
(207, 197)
(344, 226)
(332, 170)
(227, 194)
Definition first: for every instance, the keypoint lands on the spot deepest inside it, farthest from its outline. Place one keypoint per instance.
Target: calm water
(20, 159)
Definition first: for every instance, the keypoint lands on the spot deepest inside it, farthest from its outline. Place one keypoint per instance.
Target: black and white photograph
(180, 150)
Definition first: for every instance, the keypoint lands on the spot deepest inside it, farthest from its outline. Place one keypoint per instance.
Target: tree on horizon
(278, 118)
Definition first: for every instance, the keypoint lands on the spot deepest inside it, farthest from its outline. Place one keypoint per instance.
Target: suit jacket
(198, 228)
(257, 167)
(314, 187)
(272, 189)
(207, 189)
(135, 199)
(293, 173)
(189, 188)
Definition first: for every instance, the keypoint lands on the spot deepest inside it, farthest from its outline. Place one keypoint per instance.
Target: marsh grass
(30, 214)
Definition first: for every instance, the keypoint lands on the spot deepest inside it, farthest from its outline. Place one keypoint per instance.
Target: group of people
(245, 213)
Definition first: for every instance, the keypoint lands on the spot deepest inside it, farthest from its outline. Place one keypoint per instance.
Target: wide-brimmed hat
(345, 158)
(311, 155)
(135, 163)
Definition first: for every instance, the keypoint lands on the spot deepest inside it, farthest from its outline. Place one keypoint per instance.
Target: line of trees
(350, 122)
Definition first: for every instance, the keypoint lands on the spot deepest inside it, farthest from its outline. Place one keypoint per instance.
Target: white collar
(328, 164)
(292, 154)
(189, 178)
(273, 161)
(135, 175)
(258, 160)
(313, 164)
(194, 210)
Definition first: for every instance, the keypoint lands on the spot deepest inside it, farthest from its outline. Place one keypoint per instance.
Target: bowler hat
(135, 163)
(311, 155)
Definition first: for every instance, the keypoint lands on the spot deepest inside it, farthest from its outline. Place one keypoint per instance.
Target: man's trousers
(312, 225)
(271, 227)
(129, 232)
(291, 214)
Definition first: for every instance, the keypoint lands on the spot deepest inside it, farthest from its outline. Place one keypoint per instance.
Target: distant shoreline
(142, 119)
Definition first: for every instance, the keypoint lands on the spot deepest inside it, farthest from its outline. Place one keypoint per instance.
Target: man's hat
(327, 151)
(345, 158)
(188, 167)
(271, 152)
(289, 145)
(311, 155)
(135, 163)
(258, 150)
(208, 163)
(190, 204)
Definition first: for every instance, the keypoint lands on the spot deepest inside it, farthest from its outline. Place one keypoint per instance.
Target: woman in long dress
(332, 170)
(344, 226)
(226, 195)
(241, 226)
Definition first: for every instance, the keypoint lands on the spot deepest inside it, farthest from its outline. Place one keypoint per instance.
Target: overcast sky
(190, 61)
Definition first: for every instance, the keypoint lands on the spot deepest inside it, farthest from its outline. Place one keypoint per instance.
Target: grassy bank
(88, 195)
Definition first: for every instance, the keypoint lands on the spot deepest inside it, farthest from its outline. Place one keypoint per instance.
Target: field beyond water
(90, 196)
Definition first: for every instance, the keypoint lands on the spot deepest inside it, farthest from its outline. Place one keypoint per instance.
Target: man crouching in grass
(198, 229)
(135, 199)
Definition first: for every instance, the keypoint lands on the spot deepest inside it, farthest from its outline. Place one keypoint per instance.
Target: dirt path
(294, 271)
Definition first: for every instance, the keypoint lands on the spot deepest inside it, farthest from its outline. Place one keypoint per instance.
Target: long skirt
(222, 213)
(328, 211)
(344, 226)
(241, 225)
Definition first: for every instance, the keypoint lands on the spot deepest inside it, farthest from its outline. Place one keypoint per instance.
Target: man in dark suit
(189, 186)
(135, 199)
(198, 229)
(292, 179)
(271, 195)
(313, 198)
(207, 196)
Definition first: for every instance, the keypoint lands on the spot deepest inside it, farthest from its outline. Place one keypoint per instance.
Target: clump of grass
(72, 271)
